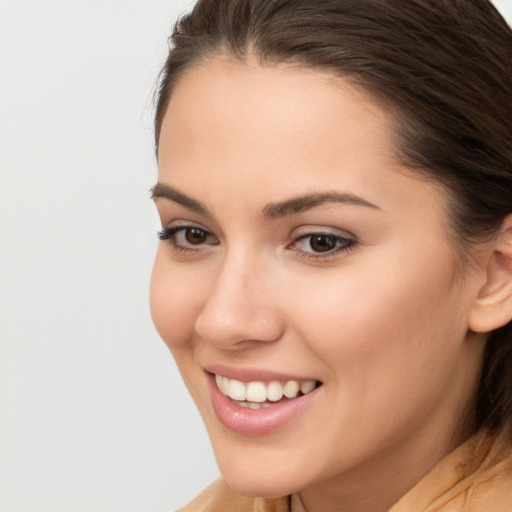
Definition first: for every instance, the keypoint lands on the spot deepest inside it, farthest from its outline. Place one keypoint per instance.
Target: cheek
(175, 300)
(390, 346)
(375, 318)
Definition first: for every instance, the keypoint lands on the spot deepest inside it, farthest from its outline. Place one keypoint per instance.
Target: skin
(382, 324)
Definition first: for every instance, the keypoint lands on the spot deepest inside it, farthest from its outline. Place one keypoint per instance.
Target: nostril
(238, 329)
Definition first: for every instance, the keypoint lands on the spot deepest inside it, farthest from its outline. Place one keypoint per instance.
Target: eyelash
(346, 244)
(169, 234)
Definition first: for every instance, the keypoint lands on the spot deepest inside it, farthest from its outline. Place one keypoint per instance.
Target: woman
(334, 277)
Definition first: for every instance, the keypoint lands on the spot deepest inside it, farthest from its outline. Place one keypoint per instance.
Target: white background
(93, 414)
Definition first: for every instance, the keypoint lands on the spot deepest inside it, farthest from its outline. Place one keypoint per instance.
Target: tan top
(475, 477)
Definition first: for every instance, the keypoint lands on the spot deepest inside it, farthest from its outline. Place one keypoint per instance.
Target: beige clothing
(218, 497)
(476, 477)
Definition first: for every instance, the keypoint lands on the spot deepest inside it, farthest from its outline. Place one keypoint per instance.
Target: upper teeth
(259, 391)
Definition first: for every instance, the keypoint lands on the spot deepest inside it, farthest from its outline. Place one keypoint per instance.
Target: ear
(492, 307)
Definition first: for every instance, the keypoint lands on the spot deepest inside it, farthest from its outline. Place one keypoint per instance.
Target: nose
(242, 307)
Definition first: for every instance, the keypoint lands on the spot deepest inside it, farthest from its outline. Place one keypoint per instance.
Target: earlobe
(492, 307)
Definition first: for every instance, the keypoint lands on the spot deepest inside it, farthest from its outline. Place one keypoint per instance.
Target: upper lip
(253, 374)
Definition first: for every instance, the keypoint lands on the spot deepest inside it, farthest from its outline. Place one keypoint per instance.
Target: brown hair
(443, 68)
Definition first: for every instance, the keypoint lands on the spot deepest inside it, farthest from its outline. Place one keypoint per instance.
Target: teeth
(219, 379)
(291, 388)
(274, 391)
(236, 390)
(253, 405)
(307, 386)
(254, 394)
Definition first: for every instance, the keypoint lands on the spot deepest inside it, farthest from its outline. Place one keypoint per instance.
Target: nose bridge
(240, 305)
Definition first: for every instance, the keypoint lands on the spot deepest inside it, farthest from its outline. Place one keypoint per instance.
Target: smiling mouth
(260, 395)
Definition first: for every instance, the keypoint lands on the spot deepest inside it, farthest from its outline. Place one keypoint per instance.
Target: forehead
(284, 110)
(225, 88)
(265, 133)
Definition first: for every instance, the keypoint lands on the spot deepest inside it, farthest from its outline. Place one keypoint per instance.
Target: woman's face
(296, 250)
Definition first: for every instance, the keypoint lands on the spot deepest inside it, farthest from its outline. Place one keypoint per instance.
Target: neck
(378, 484)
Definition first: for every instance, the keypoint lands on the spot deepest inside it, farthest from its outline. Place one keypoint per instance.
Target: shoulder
(489, 486)
(219, 497)
(476, 477)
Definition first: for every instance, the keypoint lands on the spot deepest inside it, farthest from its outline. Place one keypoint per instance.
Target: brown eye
(323, 242)
(195, 236)
(318, 245)
(190, 238)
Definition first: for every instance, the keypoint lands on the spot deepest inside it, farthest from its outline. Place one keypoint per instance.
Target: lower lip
(257, 422)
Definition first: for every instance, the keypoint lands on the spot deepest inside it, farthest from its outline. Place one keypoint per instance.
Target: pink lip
(253, 374)
(257, 422)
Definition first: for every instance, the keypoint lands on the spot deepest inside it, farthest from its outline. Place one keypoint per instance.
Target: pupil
(323, 243)
(195, 236)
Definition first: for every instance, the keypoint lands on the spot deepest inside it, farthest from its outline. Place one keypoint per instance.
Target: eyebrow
(309, 201)
(173, 194)
(272, 210)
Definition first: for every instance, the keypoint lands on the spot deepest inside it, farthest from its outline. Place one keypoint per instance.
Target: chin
(259, 478)
(259, 486)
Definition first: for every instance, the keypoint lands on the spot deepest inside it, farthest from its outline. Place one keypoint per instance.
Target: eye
(193, 236)
(317, 245)
(322, 243)
(188, 238)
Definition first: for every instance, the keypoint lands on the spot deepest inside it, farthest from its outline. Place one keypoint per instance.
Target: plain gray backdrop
(93, 414)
